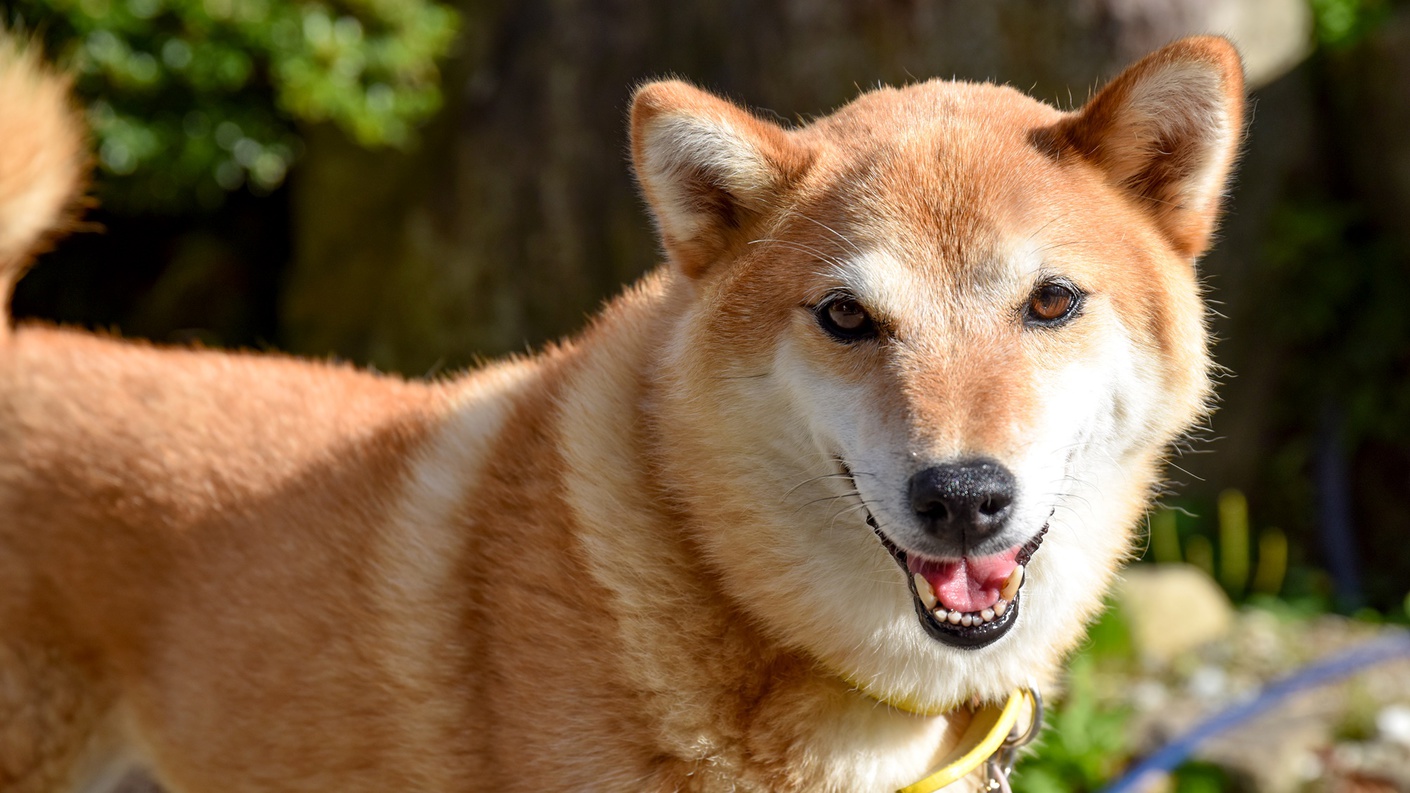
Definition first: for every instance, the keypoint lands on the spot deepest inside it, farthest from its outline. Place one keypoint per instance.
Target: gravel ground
(1352, 735)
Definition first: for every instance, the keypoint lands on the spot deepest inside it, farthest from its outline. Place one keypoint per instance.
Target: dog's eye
(1052, 304)
(845, 319)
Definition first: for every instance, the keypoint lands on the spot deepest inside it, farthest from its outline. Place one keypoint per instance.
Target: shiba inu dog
(865, 451)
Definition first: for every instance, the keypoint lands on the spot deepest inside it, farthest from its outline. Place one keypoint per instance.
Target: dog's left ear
(1167, 131)
(710, 170)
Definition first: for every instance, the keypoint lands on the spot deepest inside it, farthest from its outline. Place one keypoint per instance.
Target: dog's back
(159, 488)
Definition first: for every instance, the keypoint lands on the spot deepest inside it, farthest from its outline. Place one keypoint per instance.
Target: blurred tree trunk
(517, 215)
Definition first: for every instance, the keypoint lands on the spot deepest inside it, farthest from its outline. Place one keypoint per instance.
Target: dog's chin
(973, 627)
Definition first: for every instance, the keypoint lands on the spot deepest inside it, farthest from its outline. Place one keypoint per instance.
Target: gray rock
(1173, 610)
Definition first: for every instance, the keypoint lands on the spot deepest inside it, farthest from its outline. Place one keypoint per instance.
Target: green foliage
(1174, 540)
(1087, 741)
(1084, 747)
(194, 98)
(1233, 542)
(1358, 721)
(1272, 562)
(1164, 537)
(1343, 23)
(1200, 777)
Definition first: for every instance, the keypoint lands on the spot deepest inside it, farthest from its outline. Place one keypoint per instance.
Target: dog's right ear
(709, 169)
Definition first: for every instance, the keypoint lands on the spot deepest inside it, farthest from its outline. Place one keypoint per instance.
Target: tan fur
(628, 563)
(43, 157)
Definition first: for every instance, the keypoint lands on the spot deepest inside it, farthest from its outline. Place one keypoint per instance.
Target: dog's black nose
(965, 502)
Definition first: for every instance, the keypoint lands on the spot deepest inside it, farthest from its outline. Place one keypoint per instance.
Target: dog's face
(936, 346)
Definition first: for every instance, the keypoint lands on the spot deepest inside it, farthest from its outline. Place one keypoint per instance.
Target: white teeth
(1012, 583)
(972, 619)
(923, 588)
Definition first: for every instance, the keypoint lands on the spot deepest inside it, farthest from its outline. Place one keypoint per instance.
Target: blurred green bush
(1341, 23)
(1087, 741)
(191, 99)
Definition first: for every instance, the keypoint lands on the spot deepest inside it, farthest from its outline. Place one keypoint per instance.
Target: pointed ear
(1167, 131)
(710, 170)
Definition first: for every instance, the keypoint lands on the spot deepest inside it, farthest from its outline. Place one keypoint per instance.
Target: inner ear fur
(1167, 131)
(709, 169)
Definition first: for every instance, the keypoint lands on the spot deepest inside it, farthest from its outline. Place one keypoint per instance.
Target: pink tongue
(967, 585)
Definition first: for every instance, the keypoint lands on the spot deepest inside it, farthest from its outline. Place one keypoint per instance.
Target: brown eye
(845, 319)
(1052, 304)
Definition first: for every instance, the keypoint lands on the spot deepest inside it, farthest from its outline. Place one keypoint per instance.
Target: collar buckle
(1000, 765)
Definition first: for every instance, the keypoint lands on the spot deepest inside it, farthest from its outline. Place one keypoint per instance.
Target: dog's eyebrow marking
(879, 280)
(1025, 260)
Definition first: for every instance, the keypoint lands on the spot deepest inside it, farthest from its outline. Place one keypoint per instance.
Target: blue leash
(1396, 645)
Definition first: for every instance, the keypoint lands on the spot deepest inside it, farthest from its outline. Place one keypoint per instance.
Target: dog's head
(934, 347)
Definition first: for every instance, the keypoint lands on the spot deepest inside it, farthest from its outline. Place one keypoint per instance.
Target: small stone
(1173, 609)
(1393, 724)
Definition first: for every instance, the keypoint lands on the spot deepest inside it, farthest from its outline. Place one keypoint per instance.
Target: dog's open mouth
(969, 602)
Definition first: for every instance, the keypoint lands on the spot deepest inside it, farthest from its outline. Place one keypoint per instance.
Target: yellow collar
(991, 731)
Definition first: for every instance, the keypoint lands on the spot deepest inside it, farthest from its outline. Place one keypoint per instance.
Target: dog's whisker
(820, 477)
(823, 500)
(832, 522)
(801, 248)
(834, 232)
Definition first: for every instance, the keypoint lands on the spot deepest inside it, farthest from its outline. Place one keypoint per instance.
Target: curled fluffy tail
(43, 160)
